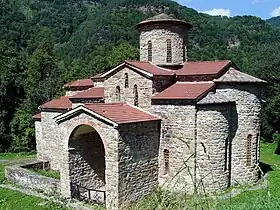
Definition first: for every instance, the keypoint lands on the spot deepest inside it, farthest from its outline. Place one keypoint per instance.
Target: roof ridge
(194, 82)
(207, 61)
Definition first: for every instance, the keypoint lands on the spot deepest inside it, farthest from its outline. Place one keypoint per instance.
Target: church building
(162, 121)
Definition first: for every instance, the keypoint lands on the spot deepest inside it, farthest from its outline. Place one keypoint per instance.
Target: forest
(46, 43)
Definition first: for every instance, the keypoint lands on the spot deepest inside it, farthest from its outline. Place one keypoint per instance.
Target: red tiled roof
(60, 103)
(80, 83)
(150, 68)
(37, 116)
(191, 68)
(97, 92)
(121, 113)
(185, 90)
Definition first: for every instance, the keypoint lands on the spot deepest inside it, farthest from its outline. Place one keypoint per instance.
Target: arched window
(226, 154)
(258, 148)
(150, 51)
(135, 92)
(126, 80)
(168, 51)
(249, 150)
(118, 94)
(166, 161)
(184, 51)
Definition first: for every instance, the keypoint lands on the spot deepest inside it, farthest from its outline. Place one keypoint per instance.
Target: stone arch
(86, 158)
(90, 123)
(118, 94)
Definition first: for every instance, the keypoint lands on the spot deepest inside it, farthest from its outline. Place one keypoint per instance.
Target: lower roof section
(113, 113)
(62, 103)
(185, 91)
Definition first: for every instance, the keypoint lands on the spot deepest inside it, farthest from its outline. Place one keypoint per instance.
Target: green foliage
(44, 44)
(274, 21)
(23, 133)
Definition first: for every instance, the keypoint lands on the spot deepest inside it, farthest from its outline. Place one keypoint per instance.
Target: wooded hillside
(46, 43)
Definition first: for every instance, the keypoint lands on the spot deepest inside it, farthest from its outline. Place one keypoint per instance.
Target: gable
(127, 68)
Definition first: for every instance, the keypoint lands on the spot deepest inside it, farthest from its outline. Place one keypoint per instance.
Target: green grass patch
(48, 173)
(12, 200)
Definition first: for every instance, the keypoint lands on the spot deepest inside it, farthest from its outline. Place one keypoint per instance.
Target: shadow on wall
(265, 167)
(88, 156)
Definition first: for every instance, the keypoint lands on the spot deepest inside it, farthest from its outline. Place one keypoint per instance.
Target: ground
(254, 200)
(10, 200)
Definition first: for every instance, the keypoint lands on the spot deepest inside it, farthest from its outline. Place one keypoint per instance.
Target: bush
(276, 138)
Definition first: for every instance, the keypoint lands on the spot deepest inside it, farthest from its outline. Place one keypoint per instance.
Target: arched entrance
(86, 163)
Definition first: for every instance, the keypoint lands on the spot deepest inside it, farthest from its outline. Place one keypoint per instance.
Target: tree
(41, 85)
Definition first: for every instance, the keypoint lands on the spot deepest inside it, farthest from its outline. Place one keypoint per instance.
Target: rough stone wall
(177, 136)
(32, 180)
(49, 147)
(213, 136)
(138, 160)
(158, 35)
(87, 157)
(160, 83)
(144, 86)
(38, 136)
(98, 84)
(245, 121)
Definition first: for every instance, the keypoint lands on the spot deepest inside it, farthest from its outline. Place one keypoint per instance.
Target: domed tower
(163, 40)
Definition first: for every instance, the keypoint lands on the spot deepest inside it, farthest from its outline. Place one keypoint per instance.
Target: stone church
(162, 121)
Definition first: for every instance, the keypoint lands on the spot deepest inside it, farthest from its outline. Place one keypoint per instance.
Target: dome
(164, 18)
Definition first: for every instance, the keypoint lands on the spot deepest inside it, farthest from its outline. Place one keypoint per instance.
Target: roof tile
(92, 93)
(185, 91)
(203, 68)
(121, 113)
(59, 103)
(151, 68)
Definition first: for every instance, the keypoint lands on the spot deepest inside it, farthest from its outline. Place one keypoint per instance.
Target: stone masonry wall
(144, 86)
(213, 127)
(158, 35)
(87, 157)
(28, 179)
(49, 147)
(38, 136)
(138, 160)
(246, 119)
(177, 136)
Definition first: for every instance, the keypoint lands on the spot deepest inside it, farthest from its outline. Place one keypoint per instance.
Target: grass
(12, 200)
(48, 173)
